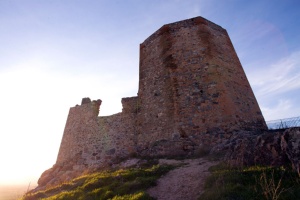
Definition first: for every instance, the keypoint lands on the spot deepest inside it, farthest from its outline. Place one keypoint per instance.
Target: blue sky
(54, 52)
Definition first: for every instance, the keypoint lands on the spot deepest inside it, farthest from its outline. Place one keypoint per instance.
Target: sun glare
(34, 108)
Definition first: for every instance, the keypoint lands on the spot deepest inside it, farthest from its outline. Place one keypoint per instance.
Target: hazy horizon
(13, 192)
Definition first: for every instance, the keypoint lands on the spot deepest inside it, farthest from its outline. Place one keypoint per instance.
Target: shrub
(254, 182)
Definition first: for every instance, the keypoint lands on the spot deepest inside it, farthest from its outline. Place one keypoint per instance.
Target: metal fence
(283, 123)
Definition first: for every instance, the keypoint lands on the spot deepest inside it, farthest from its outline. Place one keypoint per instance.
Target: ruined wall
(81, 128)
(97, 141)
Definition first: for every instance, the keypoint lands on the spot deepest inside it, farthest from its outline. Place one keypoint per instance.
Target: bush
(255, 182)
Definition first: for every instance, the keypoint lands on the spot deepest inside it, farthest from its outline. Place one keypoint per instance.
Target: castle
(193, 92)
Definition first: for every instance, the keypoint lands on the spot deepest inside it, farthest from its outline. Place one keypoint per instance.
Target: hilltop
(204, 178)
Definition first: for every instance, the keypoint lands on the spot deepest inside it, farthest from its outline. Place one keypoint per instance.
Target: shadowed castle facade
(192, 92)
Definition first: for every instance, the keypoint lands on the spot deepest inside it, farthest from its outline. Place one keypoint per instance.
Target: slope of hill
(162, 179)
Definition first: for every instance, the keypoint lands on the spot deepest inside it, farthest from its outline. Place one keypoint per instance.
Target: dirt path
(185, 182)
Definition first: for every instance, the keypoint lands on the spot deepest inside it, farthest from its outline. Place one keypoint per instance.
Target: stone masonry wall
(97, 141)
(81, 126)
(130, 105)
(192, 92)
(193, 86)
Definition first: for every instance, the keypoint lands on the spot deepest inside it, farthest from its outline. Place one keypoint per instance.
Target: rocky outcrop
(290, 144)
(60, 173)
(276, 148)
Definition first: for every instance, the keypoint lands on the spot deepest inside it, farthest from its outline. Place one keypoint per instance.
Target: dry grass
(120, 184)
(254, 182)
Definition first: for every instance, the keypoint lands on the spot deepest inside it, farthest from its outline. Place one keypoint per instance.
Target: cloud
(254, 31)
(279, 111)
(276, 87)
(277, 78)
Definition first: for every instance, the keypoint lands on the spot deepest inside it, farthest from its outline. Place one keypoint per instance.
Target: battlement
(130, 105)
(88, 106)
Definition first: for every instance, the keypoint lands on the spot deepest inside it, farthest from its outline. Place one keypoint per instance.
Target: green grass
(115, 185)
(256, 182)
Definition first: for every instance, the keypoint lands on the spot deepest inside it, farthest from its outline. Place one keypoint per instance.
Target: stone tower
(192, 86)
